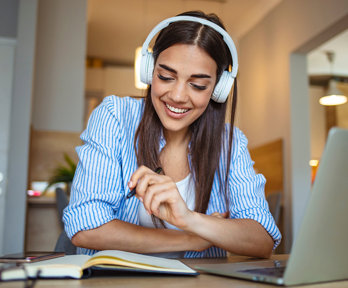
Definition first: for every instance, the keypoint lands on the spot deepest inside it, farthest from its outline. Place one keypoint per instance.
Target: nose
(179, 93)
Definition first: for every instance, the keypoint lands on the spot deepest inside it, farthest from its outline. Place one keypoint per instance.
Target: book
(79, 266)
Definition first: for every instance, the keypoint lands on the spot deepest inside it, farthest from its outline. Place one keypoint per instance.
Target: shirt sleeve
(97, 186)
(247, 197)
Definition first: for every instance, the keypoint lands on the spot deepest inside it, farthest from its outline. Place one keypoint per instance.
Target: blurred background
(60, 58)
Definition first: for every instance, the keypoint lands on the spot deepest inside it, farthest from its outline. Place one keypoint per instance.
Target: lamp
(314, 163)
(138, 83)
(334, 96)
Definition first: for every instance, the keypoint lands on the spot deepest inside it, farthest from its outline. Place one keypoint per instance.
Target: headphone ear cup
(223, 87)
(146, 68)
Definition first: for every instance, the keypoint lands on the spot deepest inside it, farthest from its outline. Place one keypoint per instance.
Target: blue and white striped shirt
(107, 160)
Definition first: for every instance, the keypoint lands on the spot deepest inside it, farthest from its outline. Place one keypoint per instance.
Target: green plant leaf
(62, 173)
(70, 162)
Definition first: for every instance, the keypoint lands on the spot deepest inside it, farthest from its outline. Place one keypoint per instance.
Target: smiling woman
(208, 198)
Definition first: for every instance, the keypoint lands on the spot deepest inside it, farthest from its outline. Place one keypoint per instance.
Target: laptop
(320, 250)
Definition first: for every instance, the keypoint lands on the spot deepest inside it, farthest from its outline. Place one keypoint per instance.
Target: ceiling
(318, 63)
(117, 27)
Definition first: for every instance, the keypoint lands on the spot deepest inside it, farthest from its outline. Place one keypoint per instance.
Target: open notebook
(320, 251)
(77, 266)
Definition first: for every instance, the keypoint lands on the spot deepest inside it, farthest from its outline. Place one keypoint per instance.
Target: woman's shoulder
(117, 113)
(239, 142)
(238, 135)
(123, 105)
(125, 109)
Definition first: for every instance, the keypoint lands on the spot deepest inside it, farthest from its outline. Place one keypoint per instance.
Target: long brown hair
(208, 131)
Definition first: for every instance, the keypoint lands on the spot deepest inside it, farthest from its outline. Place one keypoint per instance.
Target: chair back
(61, 202)
(274, 204)
(63, 243)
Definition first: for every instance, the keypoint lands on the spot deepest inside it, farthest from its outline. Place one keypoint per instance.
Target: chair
(274, 203)
(61, 202)
(63, 243)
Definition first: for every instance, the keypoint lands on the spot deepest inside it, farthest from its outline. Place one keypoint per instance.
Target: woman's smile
(176, 110)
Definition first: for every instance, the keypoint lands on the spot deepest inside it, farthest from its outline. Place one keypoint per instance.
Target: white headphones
(222, 88)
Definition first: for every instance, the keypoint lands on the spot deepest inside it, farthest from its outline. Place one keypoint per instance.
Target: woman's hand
(200, 243)
(220, 215)
(160, 197)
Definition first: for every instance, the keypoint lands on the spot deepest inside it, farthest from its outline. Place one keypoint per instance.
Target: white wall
(15, 207)
(8, 34)
(60, 66)
(318, 122)
(7, 55)
(58, 93)
(265, 102)
(299, 174)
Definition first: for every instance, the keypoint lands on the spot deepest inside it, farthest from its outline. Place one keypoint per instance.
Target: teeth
(176, 110)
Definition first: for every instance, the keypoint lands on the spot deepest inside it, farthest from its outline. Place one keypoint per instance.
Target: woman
(208, 199)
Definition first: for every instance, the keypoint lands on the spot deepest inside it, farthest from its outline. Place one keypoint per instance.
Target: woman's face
(183, 81)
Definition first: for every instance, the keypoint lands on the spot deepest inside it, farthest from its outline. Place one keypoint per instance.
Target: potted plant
(63, 173)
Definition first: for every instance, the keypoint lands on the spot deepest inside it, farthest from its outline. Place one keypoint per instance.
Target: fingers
(158, 194)
(141, 171)
(216, 214)
(220, 215)
(147, 181)
(142, 178)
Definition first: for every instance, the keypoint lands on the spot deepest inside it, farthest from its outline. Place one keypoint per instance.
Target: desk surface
(147, 281)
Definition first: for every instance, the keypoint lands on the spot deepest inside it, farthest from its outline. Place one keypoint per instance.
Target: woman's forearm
(239, 236)
(120, 235)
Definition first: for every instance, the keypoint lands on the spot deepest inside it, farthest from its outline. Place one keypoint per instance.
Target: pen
(133, 192)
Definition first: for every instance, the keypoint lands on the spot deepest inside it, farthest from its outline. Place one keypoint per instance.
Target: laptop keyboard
(273, 271)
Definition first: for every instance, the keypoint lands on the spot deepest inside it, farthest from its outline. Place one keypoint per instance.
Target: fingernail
(141, 199)
(130, 184)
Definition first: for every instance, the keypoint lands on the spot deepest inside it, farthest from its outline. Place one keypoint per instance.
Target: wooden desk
(147, 281)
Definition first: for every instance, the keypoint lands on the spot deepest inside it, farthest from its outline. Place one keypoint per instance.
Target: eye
(198, 87)
(161, 77)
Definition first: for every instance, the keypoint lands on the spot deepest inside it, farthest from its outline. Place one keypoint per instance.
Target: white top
(186, 189)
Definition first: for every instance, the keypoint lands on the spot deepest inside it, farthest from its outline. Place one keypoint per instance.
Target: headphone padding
(146, 68)
(223, 87)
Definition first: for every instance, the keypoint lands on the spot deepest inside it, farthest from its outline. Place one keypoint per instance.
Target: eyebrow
(174, 71)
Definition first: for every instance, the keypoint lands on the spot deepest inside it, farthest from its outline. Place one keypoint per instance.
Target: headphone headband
(225, 83)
